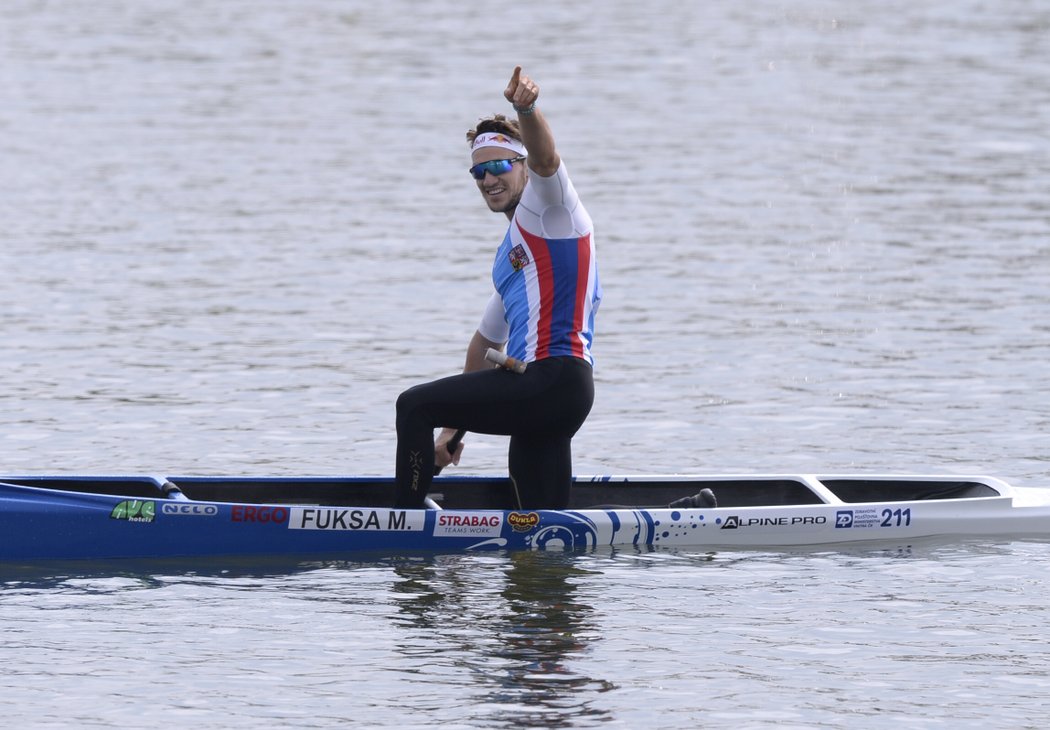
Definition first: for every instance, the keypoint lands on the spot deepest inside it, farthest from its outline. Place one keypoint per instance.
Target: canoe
(104, 517)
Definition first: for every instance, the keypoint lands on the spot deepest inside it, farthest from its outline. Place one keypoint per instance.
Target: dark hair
(496, 123)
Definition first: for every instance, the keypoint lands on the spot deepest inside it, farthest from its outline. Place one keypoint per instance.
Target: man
(547, 294)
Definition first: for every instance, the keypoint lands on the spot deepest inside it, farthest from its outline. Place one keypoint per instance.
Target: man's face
(501, 192)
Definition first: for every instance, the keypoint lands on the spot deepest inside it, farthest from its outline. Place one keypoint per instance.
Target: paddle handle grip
(505, 361)
(452, 445)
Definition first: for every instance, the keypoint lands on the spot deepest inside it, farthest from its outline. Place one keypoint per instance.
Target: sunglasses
(496, 167)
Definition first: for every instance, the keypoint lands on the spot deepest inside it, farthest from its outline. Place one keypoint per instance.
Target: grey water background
(233, 231)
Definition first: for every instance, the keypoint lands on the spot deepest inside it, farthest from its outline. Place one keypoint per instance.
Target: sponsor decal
(134, 510)
(258, 514)
(523, 521)
(189, 510)
(468, 524)
(519, 257)
(735, 523)
(373, 520)
(860, 518)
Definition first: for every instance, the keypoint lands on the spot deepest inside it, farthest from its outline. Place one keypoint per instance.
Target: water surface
(234, 231)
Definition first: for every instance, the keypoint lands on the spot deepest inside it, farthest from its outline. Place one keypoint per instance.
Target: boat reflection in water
(512, 624)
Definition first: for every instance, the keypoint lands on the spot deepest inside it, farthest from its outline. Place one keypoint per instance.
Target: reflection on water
(537, 639)
(528, 633)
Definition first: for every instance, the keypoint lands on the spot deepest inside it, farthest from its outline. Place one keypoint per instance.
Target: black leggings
(541, 410)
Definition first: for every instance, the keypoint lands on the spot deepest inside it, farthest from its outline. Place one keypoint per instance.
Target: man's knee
(411, 399)
(409, 408)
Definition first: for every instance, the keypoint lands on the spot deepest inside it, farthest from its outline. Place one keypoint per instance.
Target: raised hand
(522, 92)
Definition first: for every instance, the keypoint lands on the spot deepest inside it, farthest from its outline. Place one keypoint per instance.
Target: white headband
(496, 139)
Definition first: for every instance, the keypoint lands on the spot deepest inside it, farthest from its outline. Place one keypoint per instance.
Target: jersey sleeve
(550, 207)
(493, 326)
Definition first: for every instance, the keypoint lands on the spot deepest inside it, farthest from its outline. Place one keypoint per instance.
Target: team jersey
(545, 275)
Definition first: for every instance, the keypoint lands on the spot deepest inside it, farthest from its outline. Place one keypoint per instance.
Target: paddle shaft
(452, 445)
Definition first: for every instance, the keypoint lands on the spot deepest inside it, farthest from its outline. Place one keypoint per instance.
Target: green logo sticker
(134, 510)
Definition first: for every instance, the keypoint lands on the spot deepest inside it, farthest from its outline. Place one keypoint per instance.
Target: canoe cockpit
(496, 493)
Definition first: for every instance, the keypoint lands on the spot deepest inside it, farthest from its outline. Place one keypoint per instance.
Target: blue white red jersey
(545, 275)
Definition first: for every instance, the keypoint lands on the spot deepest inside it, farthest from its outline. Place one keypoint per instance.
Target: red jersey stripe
(541, 257)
